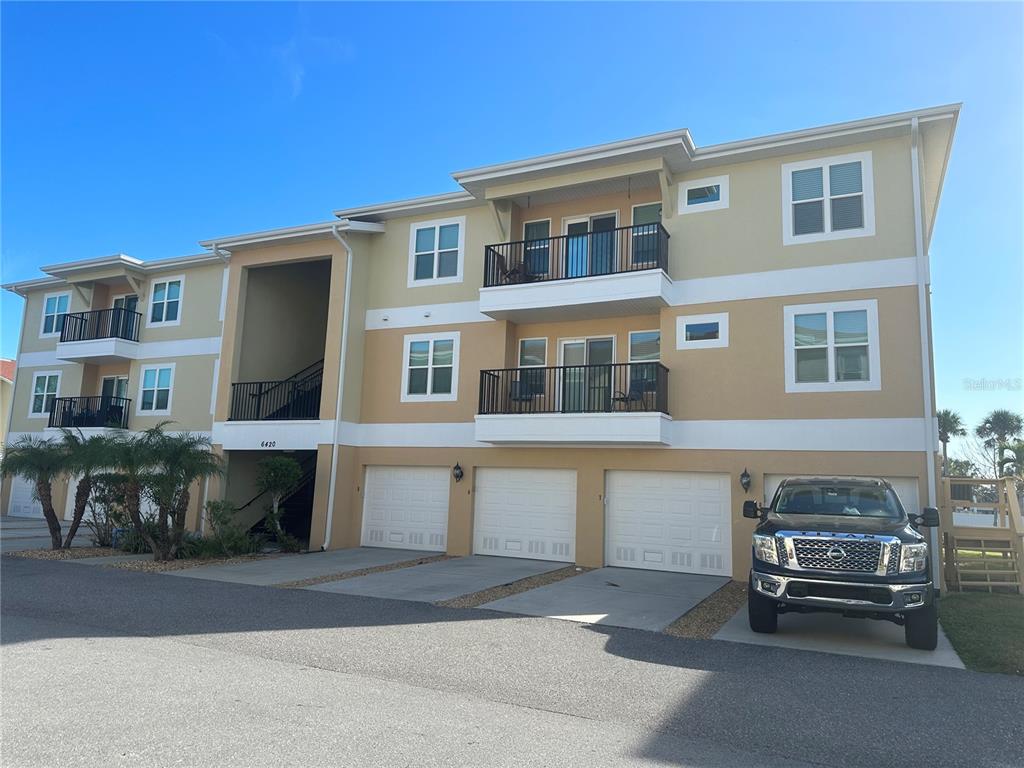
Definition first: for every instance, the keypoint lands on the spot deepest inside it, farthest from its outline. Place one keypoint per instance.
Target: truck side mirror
(929, 517)
(751, 510)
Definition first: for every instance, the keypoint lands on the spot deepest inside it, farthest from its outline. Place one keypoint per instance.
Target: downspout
(341, 387)
(206, 483)
(930, 436)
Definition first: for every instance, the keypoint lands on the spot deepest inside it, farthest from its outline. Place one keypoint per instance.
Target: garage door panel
(673, 521)
(22, 502)
(525, 513)
(406, 507)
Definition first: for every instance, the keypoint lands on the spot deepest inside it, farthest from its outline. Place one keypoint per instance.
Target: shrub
(226, 538)
(106, 509)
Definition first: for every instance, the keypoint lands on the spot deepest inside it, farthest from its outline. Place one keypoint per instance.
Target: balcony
(618, 403)
(100, 336)
(620, 271)
(102, 412)
(294, 398)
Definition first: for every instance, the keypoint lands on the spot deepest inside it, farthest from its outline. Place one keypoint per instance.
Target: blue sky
(144, 128)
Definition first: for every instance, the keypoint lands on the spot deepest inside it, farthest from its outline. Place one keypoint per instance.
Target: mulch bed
(361, 572)
(154, 566)
(710, 614)
(475, 599)
(77, 553)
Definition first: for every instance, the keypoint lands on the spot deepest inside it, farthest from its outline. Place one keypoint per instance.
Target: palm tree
(1012, 462)
(179, 461)
(950, 425)
(132, 458)
(997, 428)
(40, 462)
(85, 455)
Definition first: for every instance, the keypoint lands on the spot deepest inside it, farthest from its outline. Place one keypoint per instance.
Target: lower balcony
(617, 403)
(102, 412)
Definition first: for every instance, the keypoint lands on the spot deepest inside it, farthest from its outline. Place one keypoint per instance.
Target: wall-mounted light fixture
(457, 472)
(745, 480)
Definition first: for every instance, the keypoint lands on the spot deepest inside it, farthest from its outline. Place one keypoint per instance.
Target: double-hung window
(165, 304)
(155, 389)
(533, 357)
(436, 251)
(431, 367)
(828, 199)
(45, 386)
(537, 246)
(644, 356)
(832, 347)
(55, 308)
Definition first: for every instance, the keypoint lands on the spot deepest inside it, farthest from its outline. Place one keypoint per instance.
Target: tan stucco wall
(621, 204)
(590, 465)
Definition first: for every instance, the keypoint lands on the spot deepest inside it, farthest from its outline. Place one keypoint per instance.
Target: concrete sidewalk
(441, 580)
(619, 597)
(286, 568)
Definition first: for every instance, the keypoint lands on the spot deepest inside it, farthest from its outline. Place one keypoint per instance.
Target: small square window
(165, 304)
(533, 352)
(436, 251)
(430, 367)
(701, 331)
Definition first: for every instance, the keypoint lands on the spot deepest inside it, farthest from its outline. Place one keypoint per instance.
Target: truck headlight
(764, 549)
(913, 557)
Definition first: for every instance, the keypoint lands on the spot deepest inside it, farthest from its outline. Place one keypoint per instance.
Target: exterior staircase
(976, 557)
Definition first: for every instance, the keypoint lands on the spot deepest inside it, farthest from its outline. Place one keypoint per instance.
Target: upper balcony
(294, 398)
(587, 272)
(100, 336)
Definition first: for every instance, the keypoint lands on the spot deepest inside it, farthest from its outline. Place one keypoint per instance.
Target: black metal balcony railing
(297, 397)
(625, 249)
(609, 388)
(117, 323)
(102, 411)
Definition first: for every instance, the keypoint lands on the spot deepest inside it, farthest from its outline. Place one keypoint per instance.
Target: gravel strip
(709, 615)
(473, 599)
(65, 554)
(154, 566)
(361, 572)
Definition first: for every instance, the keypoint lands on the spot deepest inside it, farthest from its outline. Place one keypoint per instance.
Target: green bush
(226, 538)
(106, 509)
(131, 541)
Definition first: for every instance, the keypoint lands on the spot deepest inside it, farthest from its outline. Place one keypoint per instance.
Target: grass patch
(986, 630)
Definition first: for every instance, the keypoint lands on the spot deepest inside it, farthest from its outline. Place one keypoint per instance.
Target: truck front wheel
(921, 627)
(761, 611)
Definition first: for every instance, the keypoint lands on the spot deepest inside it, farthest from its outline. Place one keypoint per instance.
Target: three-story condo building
(594, 356)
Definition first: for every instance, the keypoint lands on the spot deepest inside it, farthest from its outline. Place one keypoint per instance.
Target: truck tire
(761, 612)
(921, 627)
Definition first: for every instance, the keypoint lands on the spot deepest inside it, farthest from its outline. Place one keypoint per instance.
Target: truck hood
(774, 523)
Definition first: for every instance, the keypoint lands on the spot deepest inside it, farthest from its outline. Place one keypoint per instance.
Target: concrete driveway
(441, 580)
(286, 568)
(831, 633)
(619, 597)
(20, 533)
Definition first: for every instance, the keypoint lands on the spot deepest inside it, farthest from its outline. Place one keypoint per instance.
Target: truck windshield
(848, 501)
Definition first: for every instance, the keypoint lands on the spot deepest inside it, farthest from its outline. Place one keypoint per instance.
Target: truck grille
(860, 556)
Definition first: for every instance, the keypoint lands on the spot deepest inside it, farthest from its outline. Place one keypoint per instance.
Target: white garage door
(22, 503)
(526, 513)
(406, 508)
(669, 521)
(905, 487)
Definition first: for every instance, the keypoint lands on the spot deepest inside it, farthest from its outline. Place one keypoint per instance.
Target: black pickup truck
(843, 545)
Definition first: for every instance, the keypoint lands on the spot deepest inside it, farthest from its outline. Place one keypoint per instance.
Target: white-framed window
(710, 194)
(832, 347)
(55, 307)
(533, 353)
(430, 367)
(644, 356)
(702, 331)
(436, 251)
(165, 297)
(828, 198)
(45, 386)
(156, 385)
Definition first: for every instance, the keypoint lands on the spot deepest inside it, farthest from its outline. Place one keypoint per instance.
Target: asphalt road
(105, 668)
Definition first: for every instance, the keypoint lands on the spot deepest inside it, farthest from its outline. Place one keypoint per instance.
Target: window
(697, 195)
(646, 234)
(165, 304)
(436, 251)
(45, 386)
(431, 367)
(155, 389)
(533, 353)
(644, 355)
(55, 307)
(702, 331)
(537, 246)
(832, 347)
(828, 199)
